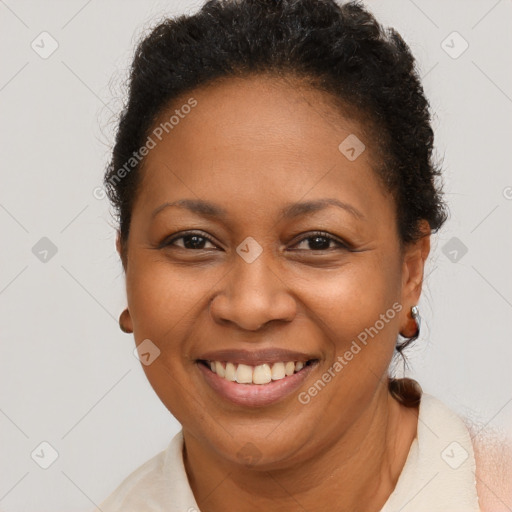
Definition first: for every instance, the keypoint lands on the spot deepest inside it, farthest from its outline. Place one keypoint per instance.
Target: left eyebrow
(290, 211)
(297, 209)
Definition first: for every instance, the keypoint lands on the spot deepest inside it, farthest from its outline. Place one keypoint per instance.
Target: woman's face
(238, 273)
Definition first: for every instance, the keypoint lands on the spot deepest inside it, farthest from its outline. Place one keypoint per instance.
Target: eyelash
(321, 234)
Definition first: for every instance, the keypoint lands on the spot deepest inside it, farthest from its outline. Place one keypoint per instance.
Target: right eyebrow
(198, 206)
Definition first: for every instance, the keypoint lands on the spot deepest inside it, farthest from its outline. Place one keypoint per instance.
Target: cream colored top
(438, 476)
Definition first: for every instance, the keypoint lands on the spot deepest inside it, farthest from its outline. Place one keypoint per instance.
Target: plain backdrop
(69, 377)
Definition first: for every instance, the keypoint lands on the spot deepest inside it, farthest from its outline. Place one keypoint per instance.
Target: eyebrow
(208, 209)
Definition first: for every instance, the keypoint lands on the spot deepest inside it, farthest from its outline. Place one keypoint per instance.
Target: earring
(121, 325)
(415, 313)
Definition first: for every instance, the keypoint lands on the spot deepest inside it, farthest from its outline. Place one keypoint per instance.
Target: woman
(276, 194)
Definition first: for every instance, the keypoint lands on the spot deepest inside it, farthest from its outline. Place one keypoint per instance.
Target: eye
(317, 241)
(190, 240)
(321, 241)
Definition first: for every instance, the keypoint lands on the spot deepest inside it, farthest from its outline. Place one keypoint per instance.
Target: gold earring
(121, 318)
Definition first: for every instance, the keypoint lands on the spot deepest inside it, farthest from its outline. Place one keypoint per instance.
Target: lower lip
(256, 395)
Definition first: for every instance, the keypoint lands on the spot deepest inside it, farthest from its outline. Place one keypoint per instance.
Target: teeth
(219, 369)
(278, 371)
(261, 374)
(230, 372)
(244, 374)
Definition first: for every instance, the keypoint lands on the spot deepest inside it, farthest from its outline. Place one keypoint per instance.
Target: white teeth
(219, 369)
(289, 368)
(244, 374)
(278, 371)
(230, 372)
(261, 374)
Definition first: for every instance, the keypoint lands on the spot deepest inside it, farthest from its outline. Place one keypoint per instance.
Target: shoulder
(492, 450)
(160, 484)
(136, 486)
(493, 456)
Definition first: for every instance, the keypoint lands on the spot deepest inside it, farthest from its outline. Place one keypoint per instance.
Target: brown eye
(192, 241)
(321, 242)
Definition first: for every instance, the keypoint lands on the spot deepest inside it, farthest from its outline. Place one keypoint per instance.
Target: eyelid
(323, 234)
(169, 240)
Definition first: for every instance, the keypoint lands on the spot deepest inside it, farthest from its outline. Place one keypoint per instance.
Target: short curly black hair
(339, 49)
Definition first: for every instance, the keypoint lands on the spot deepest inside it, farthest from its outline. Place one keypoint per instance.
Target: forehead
(256, 139)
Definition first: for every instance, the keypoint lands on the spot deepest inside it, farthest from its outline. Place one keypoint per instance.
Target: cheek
(163, 301)
(355, 313)
(162, 297)
(340, 302)
(339, 310)
(348, 300)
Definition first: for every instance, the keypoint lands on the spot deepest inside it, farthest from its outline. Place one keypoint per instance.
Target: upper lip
(256, 357)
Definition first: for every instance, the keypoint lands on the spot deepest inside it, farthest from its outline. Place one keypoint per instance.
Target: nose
(252, 295)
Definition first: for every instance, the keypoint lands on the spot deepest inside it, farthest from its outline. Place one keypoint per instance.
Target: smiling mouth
(259, 374)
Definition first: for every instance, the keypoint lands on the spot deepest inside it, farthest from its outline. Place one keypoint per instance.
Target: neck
(357, 471)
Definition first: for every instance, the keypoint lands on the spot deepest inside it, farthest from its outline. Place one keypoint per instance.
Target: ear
(413, 266)
(125, 321)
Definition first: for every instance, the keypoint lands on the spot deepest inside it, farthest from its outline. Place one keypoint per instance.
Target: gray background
(68, 374)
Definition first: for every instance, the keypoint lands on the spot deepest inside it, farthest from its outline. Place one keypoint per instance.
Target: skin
(493, 455)
(253, 146)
